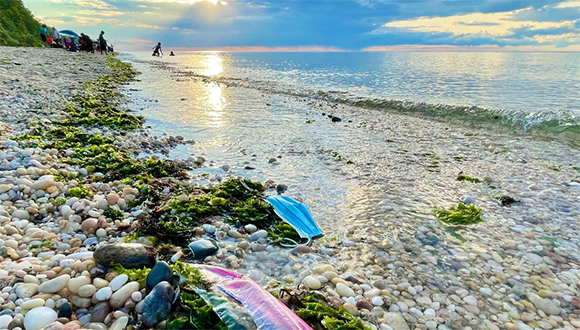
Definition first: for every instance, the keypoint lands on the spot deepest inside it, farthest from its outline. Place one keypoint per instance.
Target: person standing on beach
(103, 43)
(44, 35)
(88, 43)
(56, 36)
(157, 50)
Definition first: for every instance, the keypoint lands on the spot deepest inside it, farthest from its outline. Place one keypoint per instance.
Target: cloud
(105, 13)
(97, 4)
(478, 23)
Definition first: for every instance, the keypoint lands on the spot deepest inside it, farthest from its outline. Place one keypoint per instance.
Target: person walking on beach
(44, 35)
(88, 43)
(55, 34)
(103, 43)
(157, 50)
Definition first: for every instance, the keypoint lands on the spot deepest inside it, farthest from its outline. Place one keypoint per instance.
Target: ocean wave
(564, 126)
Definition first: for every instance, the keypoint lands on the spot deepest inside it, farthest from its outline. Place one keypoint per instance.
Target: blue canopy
(69, 33)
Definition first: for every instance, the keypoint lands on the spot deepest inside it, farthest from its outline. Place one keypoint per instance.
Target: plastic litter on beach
(265, 310)
(297, 215)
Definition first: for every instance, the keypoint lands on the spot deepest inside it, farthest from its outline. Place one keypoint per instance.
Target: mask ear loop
(296, 244)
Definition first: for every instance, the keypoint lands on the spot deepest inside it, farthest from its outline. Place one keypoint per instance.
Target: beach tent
(74, 38)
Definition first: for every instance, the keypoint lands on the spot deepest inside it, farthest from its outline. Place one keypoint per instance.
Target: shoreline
(84, 190)
(374, 294)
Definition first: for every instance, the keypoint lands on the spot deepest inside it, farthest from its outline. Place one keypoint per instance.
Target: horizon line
(397, 48)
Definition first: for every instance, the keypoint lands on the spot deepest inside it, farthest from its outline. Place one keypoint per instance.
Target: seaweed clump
(192, 312)
(463, 177)
(459, 215)
(320, 316)
(175, 218)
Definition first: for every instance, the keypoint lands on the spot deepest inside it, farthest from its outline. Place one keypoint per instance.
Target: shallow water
(372, 179)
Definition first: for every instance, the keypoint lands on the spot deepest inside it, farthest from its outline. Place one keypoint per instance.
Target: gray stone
(25, 290)
(396, 321)
(157, 304)
(100, 311)
(161, 272)
(203, 248)
(129, 255)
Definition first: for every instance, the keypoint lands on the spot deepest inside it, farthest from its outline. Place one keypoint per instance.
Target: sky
(322, 25)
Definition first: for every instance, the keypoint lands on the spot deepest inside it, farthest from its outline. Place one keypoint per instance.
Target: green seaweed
(320, 316)
(176, 218)
(139, 275)
(283, 231)
(463, 177)
(113, 214)
(577, 168)
(201, 315)
(80, 192)
(459, 215)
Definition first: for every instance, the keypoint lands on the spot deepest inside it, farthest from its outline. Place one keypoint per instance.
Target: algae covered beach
(111, 166)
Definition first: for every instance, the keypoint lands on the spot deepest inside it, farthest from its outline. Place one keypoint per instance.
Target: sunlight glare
(213, 64)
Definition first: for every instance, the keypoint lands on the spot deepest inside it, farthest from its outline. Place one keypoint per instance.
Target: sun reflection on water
(213, 65)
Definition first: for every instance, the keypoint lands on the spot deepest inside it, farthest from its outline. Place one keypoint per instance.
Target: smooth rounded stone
(54, 326)
(100, 312)
(466, 199)
(311, 282)
(89, 225)
(17, 322)
(119, 298)
(120, 323)
(303, 249)
(43, 183)
(159, 273)
(32, 303)
(25, 290)
(118, 282)
(39, 317)
(112, 198)
(4, 188)
(31, 279)
(101, 232)
(100, 283)
(364, 304)
(351, 309)
(470, 300)
(431, 325)
(129, 255)
(377, 301)
(544, 304)
(323, 269)
(97, 326)
(486, 291)
(79, 301)
(5, 320)
(250, 228)
(203, 248)
(137, 296)
(76, 283)
(396, 321)
(210, 229)
(54, 285)
(87, 290)
(21, 214)
(65, 310)
(344, 290)
(157, 304)
(424, 300)
(258, 235)
(103, 294)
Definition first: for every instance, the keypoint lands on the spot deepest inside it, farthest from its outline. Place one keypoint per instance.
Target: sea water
(410, 123)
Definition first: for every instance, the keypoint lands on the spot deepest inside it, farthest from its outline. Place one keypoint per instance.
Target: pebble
(344, 290)
(54, 285)
(39, 317)
(104, 294)
(120, 296)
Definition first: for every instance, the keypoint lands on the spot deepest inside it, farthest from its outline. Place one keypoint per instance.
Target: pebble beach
(519, 269)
